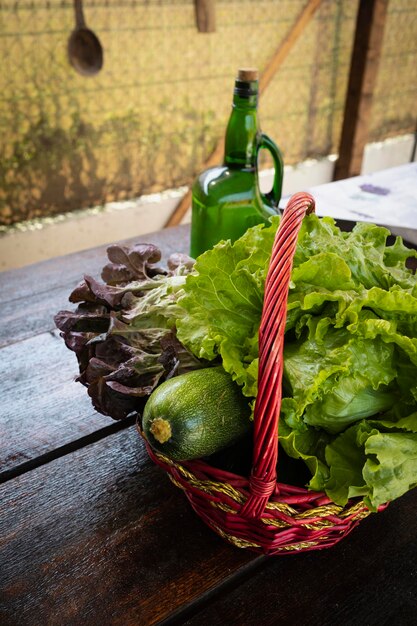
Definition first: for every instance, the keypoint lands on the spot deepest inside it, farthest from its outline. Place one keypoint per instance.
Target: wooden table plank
(41, 407)
(33, 314)
(369, 578)
(102, 536)
(30, 296)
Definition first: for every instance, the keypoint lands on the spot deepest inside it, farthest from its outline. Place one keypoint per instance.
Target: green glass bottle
(227, 200)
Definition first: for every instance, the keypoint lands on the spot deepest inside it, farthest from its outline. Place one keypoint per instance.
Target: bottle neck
(242, 133)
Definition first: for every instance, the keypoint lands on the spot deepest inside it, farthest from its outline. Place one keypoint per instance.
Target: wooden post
(270, 70)
(205, 16)
(370, 23)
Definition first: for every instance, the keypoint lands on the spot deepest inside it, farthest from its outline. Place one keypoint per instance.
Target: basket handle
(263, 479)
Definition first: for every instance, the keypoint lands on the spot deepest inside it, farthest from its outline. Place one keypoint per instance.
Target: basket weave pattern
(258, 512)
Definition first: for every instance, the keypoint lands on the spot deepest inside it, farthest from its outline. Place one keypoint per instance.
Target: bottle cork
(248, 74)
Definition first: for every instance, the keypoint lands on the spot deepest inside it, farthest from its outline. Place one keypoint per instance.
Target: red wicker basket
(258, 512)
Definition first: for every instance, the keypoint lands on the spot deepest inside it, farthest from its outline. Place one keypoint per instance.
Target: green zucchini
(196, 414)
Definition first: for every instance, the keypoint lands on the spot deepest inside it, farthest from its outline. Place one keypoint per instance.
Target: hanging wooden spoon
(85, 52)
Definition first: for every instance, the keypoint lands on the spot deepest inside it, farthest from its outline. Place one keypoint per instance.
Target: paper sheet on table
(387, 198)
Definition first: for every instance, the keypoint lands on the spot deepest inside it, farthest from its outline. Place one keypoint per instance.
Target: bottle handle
(274, 196)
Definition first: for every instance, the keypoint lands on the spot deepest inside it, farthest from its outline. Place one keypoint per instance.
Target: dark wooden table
(92, 533)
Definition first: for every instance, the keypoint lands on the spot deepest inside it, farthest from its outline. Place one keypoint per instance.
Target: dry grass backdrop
(149, 119)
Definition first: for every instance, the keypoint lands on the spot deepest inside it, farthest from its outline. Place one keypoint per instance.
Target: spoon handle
(79, 14)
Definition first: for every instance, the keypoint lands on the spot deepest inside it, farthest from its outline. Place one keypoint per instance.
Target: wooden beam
(287, 43)
(370, 23)
(205, 16)
(269, 72)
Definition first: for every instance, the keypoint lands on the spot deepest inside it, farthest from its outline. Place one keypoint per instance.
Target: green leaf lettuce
(350, 357)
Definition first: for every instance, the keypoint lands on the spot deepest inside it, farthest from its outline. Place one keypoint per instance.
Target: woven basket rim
(286, 526)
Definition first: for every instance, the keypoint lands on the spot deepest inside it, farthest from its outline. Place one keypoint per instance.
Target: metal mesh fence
(149, 119)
